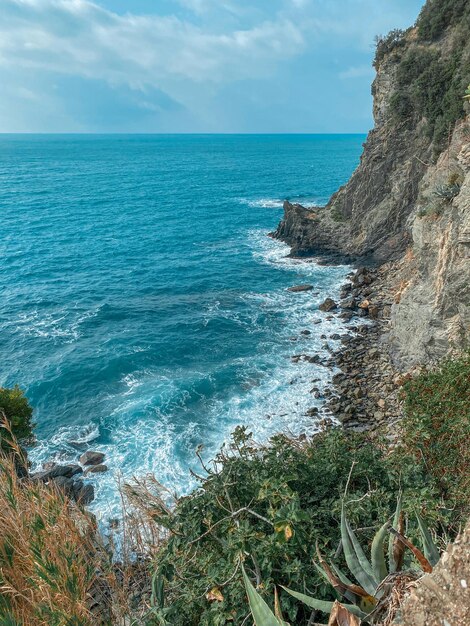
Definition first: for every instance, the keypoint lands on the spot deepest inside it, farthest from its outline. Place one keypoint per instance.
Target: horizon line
(120, 133)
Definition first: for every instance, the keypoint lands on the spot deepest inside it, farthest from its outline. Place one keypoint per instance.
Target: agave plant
(368, 597)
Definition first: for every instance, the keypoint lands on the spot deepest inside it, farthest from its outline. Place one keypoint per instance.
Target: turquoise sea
(144, 309)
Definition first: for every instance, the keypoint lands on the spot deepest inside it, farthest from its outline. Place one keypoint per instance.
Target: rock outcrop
(407, 205)
(442, 597)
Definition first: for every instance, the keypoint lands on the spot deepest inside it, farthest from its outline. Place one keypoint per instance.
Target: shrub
(431, 81)
(376, 587)
(15, 408)
(436, 430)
(271, 504)
(430, 86)
(388, 43)
(437, 15)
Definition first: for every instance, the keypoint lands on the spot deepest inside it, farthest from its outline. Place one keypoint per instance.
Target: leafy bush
(437, 15)
(430, 86)
(271, 505)
(378, 584)
(436, 430)
(15, 408)
(388, 43)
(430, 82)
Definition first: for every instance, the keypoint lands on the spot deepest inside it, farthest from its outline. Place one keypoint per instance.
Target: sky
(200, 66)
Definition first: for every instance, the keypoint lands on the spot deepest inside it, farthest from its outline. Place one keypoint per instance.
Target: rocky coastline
(364, 394)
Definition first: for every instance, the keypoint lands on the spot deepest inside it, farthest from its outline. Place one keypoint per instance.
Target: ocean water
(144, 309)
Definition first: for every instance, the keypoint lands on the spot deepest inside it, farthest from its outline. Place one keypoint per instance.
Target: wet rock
(96, 469)
(350, 303)
(305, 332)
(313, 359)
(317, 321)
(374, 311)
(56, 471)
(335, 337)
(65, 485)
(312, 412)
(328, 305)
(91, 457)
(300, 288)
(83, 493)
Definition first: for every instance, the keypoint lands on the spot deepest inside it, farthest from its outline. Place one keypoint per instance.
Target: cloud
(182, 65)
(79, 37)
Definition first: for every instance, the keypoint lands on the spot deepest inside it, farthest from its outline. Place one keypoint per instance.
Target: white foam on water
(276, 203)
(64, 325)
(264, 203)
(153, 431)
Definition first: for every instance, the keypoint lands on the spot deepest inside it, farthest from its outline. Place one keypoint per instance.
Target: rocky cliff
(408, 202)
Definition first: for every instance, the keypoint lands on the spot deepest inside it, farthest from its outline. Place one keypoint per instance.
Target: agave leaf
(425, 564)
(351, 591)
(392, 562)
(323, 574)
(352, 558)
(340, 588)
(340, 616)
(341, 575)
(323, 605)
(430, 550)
(157, 598)
(261, 612)
(363, 560)
(325, 569)
(377, 552)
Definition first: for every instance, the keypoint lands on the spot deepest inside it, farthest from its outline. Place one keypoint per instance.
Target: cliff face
(431, 314)
(408, 202)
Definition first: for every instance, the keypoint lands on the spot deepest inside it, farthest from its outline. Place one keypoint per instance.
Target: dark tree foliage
(385, 45)
(431, 83)
(14, 406)
(437, 15)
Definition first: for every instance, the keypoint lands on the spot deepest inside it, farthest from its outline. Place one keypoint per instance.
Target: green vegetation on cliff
(436, 431)
(16, 410)
(438, 15)
(266, 508)
(431, 79)
(269, 507)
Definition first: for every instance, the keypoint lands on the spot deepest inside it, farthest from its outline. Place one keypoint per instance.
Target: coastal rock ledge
(406, 209)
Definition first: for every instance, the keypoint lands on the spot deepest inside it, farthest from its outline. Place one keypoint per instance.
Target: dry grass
(54, 569)
(46, 564)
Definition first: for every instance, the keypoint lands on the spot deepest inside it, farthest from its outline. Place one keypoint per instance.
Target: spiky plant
(370, 600)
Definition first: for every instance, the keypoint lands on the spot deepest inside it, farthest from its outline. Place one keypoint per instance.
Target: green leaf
(392, 566)
(157, 599)
(355, 557)
(341, 575)
(430, 550)
(322, 605)
(261, 612)
(377, 552)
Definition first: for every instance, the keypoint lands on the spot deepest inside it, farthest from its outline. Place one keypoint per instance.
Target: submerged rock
(299, 288)
(92, 458)
(96, 469)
